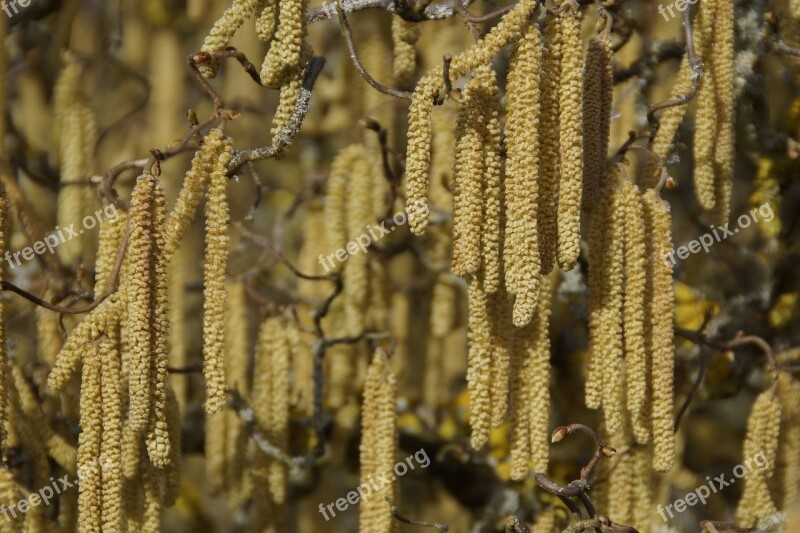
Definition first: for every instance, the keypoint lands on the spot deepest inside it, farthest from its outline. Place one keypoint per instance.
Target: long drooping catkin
(236, 347)
(418, 152)
(605, 296)
(659, 340)
(286, 51)
(377, 449)
(112, 231)
(521, 244)
(215, 144)
(176, 310)
(222, 32)
(71, 194)
(4, 225)
(112, 435)
(479, 370)
(723, 66)
(530, 390)
(90, 443)
(214, 270)
(763, 430)
(141, 301)
(491, 230)
(270, 399)
(633, 314)
(570, 113)
(266, 20)
(358, 216)
(787, 468)
(706, 120)
(501, 334)
(468, 169)
(158, 435)
(598, 92)
(404, 37)
(336, 196)
(547, 212)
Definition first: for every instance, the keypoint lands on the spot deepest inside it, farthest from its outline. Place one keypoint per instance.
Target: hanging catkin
(547, 212)
(377, 448)
(570, 112)
(418, 152)
(479, 363)
(501, 331)
(469, 175)
(111, 473)
(723, 66)
(633, 311)
(763, 430)
(358, 216)
(286, 51)
(236, 348)
(492, 181)
(214, 270)
(265, 20)
(404, 38)
(336, 197)
(538, 381)
(4, 225)
(71, 194)
(90, 443)
(141, 302)
(606, 254)
(520, 245)
(158, 434)
(270, 400)
(787, 468)
(112, 231)
(222, 32)
(598, 92)
(706, 120)
(659, 330)
(176, 309)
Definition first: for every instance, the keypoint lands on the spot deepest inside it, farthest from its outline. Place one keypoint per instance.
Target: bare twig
(400, 518)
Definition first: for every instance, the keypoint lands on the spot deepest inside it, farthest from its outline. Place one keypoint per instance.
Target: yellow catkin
(10, 494)
(30, 435)
(158, 434)
(521, 244)
(236, 347)
(176, 287)
(286, 51)
(214, 270)
(642, 493)
(404, 38)
(570, 112)
(598, 92)
(706, 120)
(723, 65)
(787, 468)
(140, 301)
(492, 179)
(659, 340)
(634, 311)
(418, 151)
(621, 480)
(538, 381)
(358, 216)
(763, 430)
(63, 452)
(547, 212)
(90, 443)
(606, 255)
(151, 519)
(112, 436)
(223, 30)
(336, 200)
(4, 225)
(214, 146)
(265, 20)
(270, 400)
(71, 194)
(501, 332)
(216, 428)
(378, 444)
(469, 174)
(479, 363)
(112, 231)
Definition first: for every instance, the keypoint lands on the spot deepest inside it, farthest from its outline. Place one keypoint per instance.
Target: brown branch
(400, 518)
(436, 11)
(347, 33)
